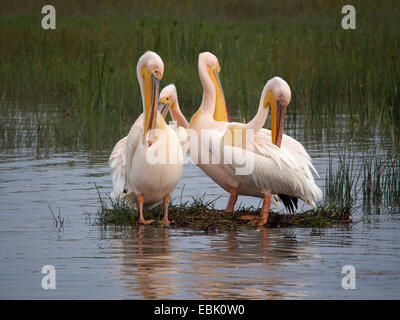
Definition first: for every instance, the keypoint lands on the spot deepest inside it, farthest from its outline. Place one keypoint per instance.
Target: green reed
(86, 68)
(369, 178)
(381, 183)
(341, 183)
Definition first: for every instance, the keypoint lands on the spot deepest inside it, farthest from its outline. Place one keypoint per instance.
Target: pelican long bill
(151, 104)
(278, 112)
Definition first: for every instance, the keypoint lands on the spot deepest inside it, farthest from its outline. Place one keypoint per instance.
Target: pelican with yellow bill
(282, 167)
(148, 183)
(280, 175)
(278, 112)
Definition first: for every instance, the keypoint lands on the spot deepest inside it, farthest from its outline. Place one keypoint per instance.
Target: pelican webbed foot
(262, 219)
(144, 221)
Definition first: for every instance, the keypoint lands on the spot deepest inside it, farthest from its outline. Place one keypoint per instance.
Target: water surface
(153, 263)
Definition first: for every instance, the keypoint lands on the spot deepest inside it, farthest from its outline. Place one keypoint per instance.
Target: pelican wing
(117, 163)
(120, 159)
(183, 139)
(132, 141)
(290, 145)
(274, 170)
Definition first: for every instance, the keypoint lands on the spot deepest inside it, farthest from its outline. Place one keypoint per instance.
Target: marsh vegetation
(200, 214)
(67, 95)
(75, 88)
(374, 182)
(84, 71)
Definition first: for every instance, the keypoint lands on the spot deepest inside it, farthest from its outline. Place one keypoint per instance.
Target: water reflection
(144, 255)
(165, 263)
(155, 263)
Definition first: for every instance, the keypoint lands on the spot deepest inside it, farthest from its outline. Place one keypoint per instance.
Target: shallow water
(153, 263)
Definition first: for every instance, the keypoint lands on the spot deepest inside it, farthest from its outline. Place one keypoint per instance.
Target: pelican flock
(242, 158)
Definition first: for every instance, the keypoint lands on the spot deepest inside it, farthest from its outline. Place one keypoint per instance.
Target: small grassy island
(201, 215)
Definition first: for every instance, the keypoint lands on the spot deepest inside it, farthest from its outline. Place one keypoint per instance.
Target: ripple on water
(155, 263)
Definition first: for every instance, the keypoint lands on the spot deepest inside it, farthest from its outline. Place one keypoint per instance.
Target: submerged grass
(58, 220)
(86, 68)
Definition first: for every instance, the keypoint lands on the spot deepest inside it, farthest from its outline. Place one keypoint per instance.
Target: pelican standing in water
(154, 156)
(219, 129)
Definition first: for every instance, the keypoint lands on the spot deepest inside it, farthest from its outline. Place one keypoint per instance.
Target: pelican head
(150, 69)
(276, 95)
(210, 62)
(167, 100)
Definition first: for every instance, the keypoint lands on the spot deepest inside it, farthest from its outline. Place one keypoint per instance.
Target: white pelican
(117, 160)
(211, 116)
(168, 101)
(149, 181)
(281, 164)
(291, 153)
(207, 118)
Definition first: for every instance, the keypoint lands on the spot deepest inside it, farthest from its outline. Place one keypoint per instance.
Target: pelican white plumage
(168, 102)
(209, 123)
(117, 160)
(217, 130)
(117, 164)
(154, 156)
(207, 118)
(281, 165)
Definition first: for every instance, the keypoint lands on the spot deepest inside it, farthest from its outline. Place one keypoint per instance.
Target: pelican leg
(141, 219)
(264, 211)
(230, 207)
(263, 217)
(165, 219)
